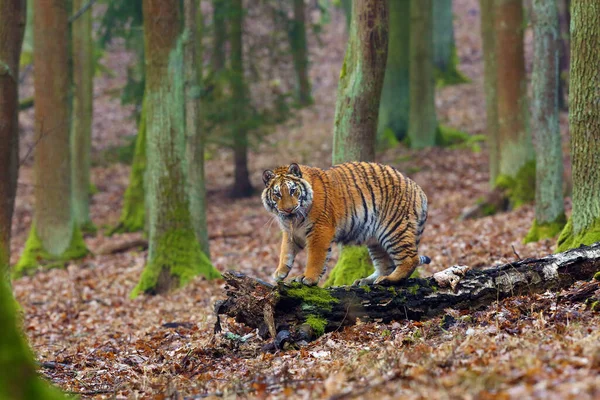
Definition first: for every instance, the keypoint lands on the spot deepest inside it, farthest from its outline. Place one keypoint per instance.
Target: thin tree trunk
(584, 123)
(241, 186)
(12, 27)
(220, 12)
(549, 206)
(297, 37)
(361, 81)
(490, 83)
(194, 145)
(445, 59)
(347, 6)
(422, 127)
(394, 106)
(516, 162)
(54, 237)
(81, 129)
(174, 254)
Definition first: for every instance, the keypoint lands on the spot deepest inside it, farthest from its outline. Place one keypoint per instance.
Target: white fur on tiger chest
(296, 229)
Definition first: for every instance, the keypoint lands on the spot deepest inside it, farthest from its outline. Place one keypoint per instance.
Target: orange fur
(360, 203)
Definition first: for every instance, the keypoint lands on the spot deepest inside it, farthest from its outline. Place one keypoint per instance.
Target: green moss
(93, 189)
(594, 306)
(354, 263)
(312, 295)
(568, 239)
(317, 323)
(487, 209)
(177, 253)
(88, 228)
(597, 276)
(545, 231)
(35, 255)
(519, 189)
(387, 139)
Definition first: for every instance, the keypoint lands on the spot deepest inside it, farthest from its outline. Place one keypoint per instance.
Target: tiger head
(286, 193)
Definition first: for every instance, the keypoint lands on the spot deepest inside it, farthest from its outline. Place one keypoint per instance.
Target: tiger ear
(294, 169)
(267, 176)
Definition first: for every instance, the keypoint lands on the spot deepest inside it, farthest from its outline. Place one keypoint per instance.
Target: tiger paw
(382, 280)
(281, 274)
(304, 280)
(363, 282)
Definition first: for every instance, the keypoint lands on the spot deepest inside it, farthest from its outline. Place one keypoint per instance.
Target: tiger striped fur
(351, 203)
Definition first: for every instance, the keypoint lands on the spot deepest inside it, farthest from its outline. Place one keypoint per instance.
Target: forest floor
(91, 339)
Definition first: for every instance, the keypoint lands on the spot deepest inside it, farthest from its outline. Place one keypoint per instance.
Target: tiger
(361, 203)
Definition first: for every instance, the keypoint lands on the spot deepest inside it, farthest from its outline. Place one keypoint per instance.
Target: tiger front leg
(319, 250)
(286, 257)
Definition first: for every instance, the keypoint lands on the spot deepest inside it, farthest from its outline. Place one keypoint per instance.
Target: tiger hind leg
(381, 261)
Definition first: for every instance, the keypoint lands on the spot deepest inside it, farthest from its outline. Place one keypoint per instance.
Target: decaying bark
(273, 308)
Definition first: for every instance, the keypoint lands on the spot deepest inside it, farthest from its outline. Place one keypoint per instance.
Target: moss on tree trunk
(584, 122)
(445, 59)
(133, 214)
(81, 128)
(422, 127)
(516, 156)
(549, 207)
(297, 37)
(12, 27)
(55, 236)
(394, 105)
(174, 254)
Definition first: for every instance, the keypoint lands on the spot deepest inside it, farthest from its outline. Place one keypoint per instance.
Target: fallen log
(308, 312)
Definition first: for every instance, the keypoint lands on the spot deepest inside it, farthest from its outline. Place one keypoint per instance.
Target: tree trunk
(549, 206)
(357, 106)
(445, 59)
(241, 186)
(12, 27)
(133, 214)
(361, 81)
(174, 254)
(299, 308)
(81, 129)
(422, 127)
(347, 6)
(490, 83)
(584, 123)
(194, 145)
(564, 20)
(297, 37)
(54, 237)
(394, 106)
(220, 13)
(516, 162)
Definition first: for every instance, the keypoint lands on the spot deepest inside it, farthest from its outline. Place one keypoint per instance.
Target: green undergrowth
(354, 263)
(487, 208)
(18, 379)
(568, 239)
(179, 253)
(519, 189)
(452, 138)
(88, 228)
(545, 231)
(34, 255)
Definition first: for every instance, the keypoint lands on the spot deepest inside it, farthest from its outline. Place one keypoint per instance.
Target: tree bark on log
(298, 309)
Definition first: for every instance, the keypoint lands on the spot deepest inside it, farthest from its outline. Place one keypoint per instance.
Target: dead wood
(272, 308)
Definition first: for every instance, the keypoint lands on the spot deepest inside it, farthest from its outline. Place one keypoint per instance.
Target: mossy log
(301, 309)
